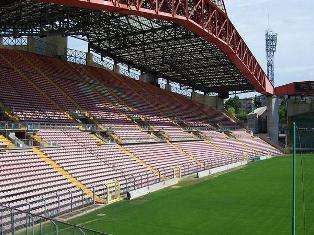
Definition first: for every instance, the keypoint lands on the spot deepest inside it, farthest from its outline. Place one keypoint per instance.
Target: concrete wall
(116, 68)
(50, 46)
(252, 122)
(273, 118)
(296, 106)
(90, 59)
(210, 101)
(152, 188)
(220, 169)
(168, 87)
(144, 77)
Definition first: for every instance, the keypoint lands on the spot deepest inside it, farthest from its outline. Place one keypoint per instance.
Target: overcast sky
(293, 20)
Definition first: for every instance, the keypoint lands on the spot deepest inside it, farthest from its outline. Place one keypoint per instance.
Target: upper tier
(36, 88)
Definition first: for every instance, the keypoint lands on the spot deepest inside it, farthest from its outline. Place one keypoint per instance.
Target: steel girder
(305, 88)
(189, 41)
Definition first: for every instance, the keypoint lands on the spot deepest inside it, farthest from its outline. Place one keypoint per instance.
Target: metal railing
(20, 42)
(103, 62)
(14, 221)
(76, 56)
(35, 126)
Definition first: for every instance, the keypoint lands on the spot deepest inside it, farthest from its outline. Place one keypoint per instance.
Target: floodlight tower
(272, 101)
(271, 45)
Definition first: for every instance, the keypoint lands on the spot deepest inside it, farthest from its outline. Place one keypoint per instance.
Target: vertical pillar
(50, 45)
(116, 68)
(168, 86)
(216, 102)
(220, 103)
(56, 46)
(148, 78)
(273, 118)
(90, 59)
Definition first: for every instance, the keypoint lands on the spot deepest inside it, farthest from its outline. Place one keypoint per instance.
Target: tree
(231, 112)
(233, 103)
(283, 112)
(257, 102)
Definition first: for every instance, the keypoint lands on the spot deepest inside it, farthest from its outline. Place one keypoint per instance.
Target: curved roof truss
(189, 41)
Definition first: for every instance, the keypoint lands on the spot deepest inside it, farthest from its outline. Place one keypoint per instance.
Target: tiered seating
(26, 102)
(52, 91)
(27, 181)
(155, 105)
(207, 154)
(214, 134)
(94, 165)
(226, 145)
(130, 133)
(175, 133)
(164, 157)
(261, 148)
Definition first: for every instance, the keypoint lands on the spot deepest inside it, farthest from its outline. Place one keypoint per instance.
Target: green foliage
(252, 200)
(242, 115)
(233, 105)
(231, 110)
(257, 102)
(283, 112)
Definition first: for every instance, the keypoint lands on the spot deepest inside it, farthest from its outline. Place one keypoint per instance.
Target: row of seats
(49, 90)
(52, 91)
(27, 183)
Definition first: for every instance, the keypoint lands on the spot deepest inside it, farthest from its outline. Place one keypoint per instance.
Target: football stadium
(135, 135)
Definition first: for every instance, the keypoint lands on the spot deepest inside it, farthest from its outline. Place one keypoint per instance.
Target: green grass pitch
(253, 200)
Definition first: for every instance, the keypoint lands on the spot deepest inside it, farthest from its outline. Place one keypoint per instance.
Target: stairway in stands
(55, 166)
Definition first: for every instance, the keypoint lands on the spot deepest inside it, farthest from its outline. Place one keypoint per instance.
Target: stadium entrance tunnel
(162, 44)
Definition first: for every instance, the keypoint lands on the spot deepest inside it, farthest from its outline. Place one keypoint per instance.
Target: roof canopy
(190, 42)
(305, 88)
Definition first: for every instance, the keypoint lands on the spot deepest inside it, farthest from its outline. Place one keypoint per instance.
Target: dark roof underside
(305, 88)
(161, 48)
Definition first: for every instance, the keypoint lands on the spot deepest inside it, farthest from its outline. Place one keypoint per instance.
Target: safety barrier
(14, 221)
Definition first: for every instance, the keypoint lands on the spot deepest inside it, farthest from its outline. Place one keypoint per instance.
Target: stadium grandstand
(300, 110)
(78, 129)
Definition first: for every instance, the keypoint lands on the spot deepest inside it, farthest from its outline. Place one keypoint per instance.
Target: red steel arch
(202, 17)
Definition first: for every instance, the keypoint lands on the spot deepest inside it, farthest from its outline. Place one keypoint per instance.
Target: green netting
(305, 132)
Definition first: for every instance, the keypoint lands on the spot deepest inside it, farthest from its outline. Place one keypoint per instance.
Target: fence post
(12, 222)
(141, 180)
(58, 197)
(27, 216)
(293, 181)
(56, 227)
(1, 221)
(41, 227)
(93, 195)
(126, 183)
(33, 228)
(45, 205)
(159, 176)
(82, 198)
(71, 201)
